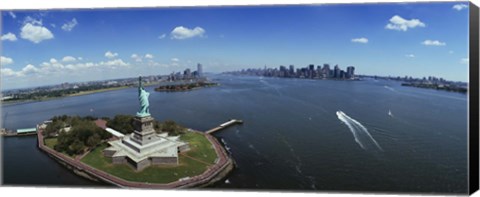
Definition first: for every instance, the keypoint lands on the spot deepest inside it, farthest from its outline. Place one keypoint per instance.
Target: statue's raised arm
(143, 98)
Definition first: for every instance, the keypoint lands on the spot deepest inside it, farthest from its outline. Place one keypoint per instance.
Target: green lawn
(200, 149)
(50, 142)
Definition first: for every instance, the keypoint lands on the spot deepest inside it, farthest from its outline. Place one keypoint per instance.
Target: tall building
(187, 73)
(326, 71)
(292, 70)
(283, 71)
(200, 70)
(350, 72)
(336, 72)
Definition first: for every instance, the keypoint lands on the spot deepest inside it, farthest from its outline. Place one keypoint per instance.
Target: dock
(18, 132)
(224, 125)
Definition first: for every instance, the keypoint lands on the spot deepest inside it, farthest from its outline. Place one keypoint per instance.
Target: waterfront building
(144, 146)
(199, 70)
(292, 70)
(326, 71)
(350, 72)
(342, 74)
(283, 71)
(336, 72)
(187, 74)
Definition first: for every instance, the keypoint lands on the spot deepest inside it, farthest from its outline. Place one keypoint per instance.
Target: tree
(83, 133)
(122, 123)
(53, 128)
(172, 128)
(76, 147)
(93, 140)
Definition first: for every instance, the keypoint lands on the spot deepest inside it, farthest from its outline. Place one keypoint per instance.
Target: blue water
(292, 137)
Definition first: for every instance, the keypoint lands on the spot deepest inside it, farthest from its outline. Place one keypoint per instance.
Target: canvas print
(324, 97)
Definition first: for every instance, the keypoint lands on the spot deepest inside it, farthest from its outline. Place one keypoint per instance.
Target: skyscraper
(336, 72)
(292, 70)
(200, 69)
(350, 72)
(187, 73)
(326, 71)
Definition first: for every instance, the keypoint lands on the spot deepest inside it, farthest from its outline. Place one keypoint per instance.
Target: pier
(18, 132)
(224, 125)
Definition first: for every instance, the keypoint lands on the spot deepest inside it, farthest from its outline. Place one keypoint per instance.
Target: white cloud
(181, 32)
(109, 54)
(149, 56)
(54, 68)
(5, 60)
(70, 25)
(175, 59)
(28, 69)
(9, 36)
(360, 40)
(114, 63)
(464, 61)
(12, 15)
(410, 55)
(459, 7)
(7, 72)
(53, 25)
(35, 32)
(433, 43)
(400, 24)
(69, 59)
(136, 57)
(80, 66)
(51, 67)
(450, 52)
(162, 36)
(32, 20)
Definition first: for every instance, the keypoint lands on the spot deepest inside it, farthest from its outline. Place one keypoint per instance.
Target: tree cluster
(183, 87)
(124, 124)
(82, 133)
(172, 128)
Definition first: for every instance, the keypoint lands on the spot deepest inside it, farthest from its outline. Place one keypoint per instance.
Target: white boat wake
(360, 133)
(389, 88)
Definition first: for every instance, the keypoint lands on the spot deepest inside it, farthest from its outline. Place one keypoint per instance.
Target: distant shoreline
(7, 103)
(65, 96)
(185, 87)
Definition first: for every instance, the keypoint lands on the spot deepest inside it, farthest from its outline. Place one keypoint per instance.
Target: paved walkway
(185, 155)
(222, 162)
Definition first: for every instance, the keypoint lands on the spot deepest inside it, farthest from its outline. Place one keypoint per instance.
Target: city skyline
(414, 39)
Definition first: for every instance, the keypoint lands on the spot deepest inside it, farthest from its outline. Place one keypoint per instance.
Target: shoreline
(8, 103)
(157, 89)
(217, 172)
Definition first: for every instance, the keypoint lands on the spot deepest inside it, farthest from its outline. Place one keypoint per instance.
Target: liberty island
(146, 157)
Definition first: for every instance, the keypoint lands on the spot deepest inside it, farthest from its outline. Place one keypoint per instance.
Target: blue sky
(55, 46)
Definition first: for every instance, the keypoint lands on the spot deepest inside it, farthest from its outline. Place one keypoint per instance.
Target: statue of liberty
(143, 98)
